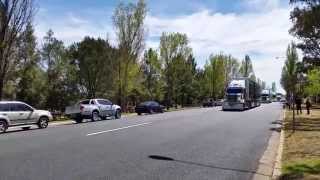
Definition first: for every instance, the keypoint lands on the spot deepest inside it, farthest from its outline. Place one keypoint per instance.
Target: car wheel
(43, 122)
(118, 114)
(3, 126)
(95, 116)
(79, 120)
(139, 114)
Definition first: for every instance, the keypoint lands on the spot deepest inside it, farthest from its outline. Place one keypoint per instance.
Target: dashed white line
(112, 130)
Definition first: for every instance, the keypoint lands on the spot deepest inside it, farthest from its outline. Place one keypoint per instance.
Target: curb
(277, 167)
(269, 163)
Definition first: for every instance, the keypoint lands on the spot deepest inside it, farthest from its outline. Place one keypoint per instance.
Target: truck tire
(95, 116)
(118, 114)
(43, 122)
(3, 126)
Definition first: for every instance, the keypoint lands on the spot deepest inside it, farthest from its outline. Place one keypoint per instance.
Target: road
(192, 144)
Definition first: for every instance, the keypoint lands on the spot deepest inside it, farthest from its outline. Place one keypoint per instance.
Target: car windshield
(234, 90)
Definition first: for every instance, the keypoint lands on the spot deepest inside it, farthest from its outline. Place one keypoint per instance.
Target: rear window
(85, 102)
(4, 107)
(147, 103)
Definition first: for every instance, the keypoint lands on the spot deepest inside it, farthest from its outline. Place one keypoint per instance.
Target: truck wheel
(43, 122)
(3, 126)
(95, 116)
(118, 114)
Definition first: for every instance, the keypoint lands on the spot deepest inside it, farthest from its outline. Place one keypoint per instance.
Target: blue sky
(238, 27)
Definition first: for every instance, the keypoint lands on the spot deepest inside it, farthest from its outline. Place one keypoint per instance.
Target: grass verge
(301, 153)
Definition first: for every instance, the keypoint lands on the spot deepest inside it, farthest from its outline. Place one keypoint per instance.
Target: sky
(258, 28)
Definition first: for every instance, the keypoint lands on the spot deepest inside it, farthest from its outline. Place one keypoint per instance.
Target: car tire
(118, 114)
(43, 122)
(3, 126)
(79, 120)
(95, 116)
(139, 114)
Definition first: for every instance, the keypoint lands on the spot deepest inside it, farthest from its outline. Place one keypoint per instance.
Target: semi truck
(266, 96)
(242, 94)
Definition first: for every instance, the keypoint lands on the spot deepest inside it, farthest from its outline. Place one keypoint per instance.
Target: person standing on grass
(308, 106)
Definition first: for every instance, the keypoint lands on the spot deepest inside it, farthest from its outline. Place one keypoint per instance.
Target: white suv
(15, 113)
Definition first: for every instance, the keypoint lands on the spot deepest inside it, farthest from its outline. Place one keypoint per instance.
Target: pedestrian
(308, 106)
(298, 104)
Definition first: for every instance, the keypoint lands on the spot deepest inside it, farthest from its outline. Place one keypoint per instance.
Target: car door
(22, 114)
(105, 106)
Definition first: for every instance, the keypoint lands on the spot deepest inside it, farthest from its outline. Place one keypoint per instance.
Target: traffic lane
(211, 144)
(20, 141)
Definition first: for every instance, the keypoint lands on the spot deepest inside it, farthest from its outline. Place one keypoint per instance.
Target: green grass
(301, 153)
(304, 169)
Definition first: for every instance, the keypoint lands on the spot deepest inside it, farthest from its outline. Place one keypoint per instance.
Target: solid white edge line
(117, 129)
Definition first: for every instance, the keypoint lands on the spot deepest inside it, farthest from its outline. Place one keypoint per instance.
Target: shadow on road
(163, 158)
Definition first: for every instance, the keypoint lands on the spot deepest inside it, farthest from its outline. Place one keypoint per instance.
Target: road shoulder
(269, 159)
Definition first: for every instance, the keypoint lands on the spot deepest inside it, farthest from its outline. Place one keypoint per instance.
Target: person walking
(308, 106)
(298, 104)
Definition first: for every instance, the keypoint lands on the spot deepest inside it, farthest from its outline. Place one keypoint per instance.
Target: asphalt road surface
(192, 144)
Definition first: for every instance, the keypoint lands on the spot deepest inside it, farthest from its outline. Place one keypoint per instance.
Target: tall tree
(215, 75)
(305, 17)
(94, 61)
(274, 87)
(55, 61)
(31, 83)
(130, 29)
(246, 69)
(289, 77)
(174, 48)
(152, 71)
(14, 17)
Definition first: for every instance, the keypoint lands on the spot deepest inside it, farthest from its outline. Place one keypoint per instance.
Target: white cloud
(263, 34)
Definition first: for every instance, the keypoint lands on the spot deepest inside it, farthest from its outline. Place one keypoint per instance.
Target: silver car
(15, 113)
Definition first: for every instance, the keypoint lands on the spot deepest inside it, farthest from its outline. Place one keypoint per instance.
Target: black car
(149, 107)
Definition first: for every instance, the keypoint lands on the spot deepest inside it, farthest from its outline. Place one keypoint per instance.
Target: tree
(215, 76)
(274, 87)
(174, 48)
(231, 68)
(29, 75)
(305, 18)
(14, 17)
(55, 61)
(246, 69)
(152, 71)
(289, 76)
(95, 66)
(129, 24)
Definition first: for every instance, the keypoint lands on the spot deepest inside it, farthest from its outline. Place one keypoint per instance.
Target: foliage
(305, 18)
(93, 62)
(246, 69)
(289, 71)
(14, 17)
(313, 87)
(128, 21)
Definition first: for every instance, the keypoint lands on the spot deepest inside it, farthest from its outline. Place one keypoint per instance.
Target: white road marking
(112, 130)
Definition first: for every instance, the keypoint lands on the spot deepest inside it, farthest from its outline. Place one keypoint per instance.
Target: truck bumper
(233, 106)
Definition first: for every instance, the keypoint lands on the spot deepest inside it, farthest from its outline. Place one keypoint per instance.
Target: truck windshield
(234, 90)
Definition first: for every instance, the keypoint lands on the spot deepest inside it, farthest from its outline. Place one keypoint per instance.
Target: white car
(94, 109)
(15, 113)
